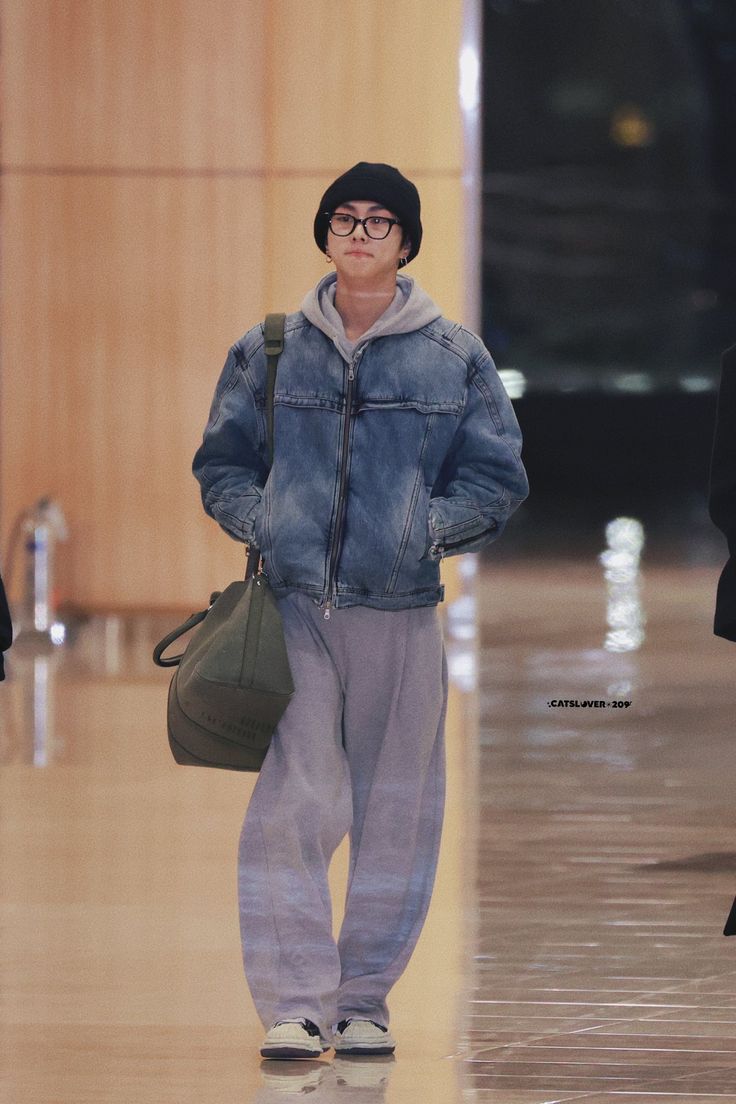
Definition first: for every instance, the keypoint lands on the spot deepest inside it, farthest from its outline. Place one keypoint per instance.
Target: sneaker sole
(365, 1050)
(290, 1052)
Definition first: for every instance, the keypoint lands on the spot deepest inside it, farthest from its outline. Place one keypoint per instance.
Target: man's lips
(358, 253)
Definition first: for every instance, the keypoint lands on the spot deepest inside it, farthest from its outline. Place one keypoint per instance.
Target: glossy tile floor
(607, 858)
(573, 950)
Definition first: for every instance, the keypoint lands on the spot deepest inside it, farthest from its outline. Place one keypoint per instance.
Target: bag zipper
(340, 521)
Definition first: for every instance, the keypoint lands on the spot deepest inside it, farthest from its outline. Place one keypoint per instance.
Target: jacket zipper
(340, 521)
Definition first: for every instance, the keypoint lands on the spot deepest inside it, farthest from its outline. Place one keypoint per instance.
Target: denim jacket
(389, 453)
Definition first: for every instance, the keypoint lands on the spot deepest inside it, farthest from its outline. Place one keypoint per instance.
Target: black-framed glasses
(375, 226)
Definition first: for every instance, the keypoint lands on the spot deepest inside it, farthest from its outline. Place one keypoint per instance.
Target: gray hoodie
(410, 309)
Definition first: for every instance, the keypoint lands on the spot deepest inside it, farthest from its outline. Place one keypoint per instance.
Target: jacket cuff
(237, 516)
(462, 525)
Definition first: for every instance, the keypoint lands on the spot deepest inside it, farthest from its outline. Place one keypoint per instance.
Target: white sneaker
(355, 1036)
(293, 1039)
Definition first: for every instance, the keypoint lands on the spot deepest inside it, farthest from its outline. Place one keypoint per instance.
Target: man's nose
(359, 228)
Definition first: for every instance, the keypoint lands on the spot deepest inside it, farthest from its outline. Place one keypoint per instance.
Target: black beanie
(382, 183)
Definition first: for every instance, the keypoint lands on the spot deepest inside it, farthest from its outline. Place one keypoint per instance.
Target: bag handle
(273, 329)
(195, 619)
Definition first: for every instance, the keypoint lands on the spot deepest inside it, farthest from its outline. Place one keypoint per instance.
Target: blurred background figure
(6, 629)
(722, 502)
(722, 508)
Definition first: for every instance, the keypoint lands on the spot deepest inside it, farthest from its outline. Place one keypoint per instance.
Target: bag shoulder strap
(273, 329)
(274, 333)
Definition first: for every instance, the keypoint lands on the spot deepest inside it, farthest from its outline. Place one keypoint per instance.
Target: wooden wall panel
(367, 81)
(175, 84)
(131, 291)
(438, 268)
(295, 262)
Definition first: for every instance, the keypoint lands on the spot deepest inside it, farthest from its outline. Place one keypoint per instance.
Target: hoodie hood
(410, 309)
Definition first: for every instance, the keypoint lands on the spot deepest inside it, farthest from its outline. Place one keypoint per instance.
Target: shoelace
(344, 1023)
(309, 1027)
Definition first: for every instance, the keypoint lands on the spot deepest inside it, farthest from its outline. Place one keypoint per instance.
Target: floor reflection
(41, 672)
(35, 733)
(605, 870)
(359, 1080)
(573, 949)
(620, 560)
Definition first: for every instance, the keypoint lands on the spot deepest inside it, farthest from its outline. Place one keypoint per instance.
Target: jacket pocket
(416, 539)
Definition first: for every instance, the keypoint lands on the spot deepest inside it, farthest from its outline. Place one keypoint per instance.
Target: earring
(402, 262)
(328, 258)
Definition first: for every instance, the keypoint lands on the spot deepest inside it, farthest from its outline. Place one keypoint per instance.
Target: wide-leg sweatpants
(359, 749)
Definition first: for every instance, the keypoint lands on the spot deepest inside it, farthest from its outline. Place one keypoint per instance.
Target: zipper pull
(327, 610)
(353, 364)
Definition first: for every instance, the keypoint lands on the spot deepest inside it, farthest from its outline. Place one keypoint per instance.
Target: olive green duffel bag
(233, 681)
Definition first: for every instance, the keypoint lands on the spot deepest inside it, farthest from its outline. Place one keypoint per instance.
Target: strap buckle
(273, 331)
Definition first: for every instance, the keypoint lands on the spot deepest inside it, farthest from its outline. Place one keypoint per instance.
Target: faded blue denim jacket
(390, 453)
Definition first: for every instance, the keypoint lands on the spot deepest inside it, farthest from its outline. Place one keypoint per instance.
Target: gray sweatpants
(359, 749)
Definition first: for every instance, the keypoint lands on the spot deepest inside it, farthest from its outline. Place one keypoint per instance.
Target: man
(395, 445)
